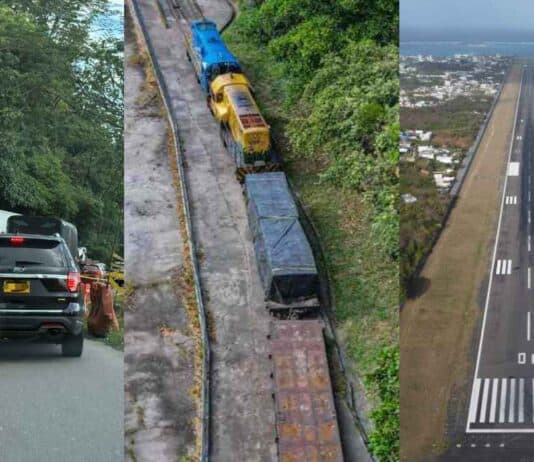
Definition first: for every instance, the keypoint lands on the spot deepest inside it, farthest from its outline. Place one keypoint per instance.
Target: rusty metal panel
(306, 421)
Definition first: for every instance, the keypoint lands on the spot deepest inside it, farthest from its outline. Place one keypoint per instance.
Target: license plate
(16, 287)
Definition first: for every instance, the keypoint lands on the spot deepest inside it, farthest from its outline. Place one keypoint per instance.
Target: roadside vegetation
(326, 78)
(455, 125)
(61, 118)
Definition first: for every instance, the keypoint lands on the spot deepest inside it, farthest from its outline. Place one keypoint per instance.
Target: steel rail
(137, 17)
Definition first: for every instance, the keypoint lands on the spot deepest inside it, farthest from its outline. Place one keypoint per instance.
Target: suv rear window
(31, 254)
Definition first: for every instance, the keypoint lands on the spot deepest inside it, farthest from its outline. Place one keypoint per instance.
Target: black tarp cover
(284, 256)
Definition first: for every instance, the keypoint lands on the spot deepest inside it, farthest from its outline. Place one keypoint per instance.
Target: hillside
(326, 77)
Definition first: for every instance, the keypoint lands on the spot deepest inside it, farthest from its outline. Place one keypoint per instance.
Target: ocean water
(451, 48)
(112, 24)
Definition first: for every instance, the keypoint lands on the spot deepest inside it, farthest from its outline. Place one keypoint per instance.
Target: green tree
(61, 118)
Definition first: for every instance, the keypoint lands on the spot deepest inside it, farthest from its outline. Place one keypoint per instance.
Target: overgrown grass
(364, 275)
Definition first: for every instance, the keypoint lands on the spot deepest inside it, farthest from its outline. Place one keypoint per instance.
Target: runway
(502, 398)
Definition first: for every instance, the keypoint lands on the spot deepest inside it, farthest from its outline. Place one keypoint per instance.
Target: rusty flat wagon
(306, 421)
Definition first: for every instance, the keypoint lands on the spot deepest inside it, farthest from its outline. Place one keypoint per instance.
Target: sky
(454, 19)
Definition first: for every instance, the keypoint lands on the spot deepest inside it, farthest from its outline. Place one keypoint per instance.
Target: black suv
(41, 297)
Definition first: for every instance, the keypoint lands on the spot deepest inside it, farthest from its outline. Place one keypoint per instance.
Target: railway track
(237, 365)
(187, 10)
(237, 417)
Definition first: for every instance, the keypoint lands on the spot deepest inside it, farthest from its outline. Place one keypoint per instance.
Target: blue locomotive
(208, 53)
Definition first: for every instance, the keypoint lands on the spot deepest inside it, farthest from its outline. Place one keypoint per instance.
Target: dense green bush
(384, 440)
(348, 113)
(61, 118)
(326, 74)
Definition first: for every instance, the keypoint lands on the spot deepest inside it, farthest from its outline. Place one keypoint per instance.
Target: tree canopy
(61, 118)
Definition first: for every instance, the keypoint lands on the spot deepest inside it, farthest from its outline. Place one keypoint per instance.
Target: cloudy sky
(468, 15)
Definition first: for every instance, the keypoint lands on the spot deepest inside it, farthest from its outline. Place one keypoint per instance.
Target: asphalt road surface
(61, 409)
(500, 417)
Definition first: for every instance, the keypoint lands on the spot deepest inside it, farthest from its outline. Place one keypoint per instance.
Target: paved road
(61, 409)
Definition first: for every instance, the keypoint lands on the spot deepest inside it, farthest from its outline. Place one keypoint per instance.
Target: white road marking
(511, 414)
(528, 243)
(484, 404)
(513, 169)
(494, 257)
(474, 401)
(528, 278)
(504, 267)
(493, 407)
(528, 326)
(511, 200)
(502, 404)
(521, 411)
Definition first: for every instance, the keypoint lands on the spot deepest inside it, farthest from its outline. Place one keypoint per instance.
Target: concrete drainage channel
(211, 198)
(205, 392)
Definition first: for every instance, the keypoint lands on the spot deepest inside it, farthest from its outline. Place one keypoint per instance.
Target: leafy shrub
(384, 441)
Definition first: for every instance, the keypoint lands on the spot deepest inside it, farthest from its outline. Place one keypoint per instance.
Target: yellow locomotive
(243, 129)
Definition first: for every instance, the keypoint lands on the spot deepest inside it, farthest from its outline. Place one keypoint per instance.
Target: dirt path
(438, 328)
(158, 347)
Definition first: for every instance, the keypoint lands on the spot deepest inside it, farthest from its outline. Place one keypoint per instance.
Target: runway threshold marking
(502, 405)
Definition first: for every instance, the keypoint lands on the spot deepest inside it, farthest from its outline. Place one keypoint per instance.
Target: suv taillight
(73, 281)
(16, 240)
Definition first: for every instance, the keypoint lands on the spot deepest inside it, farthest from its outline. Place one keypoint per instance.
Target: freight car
(244, 131)
(284, 257)
(208, 53)
(306, 422)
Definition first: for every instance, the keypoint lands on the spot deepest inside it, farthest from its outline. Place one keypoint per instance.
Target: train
(306, 420)
(229, 95)
(283, 254)
(208, 53)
